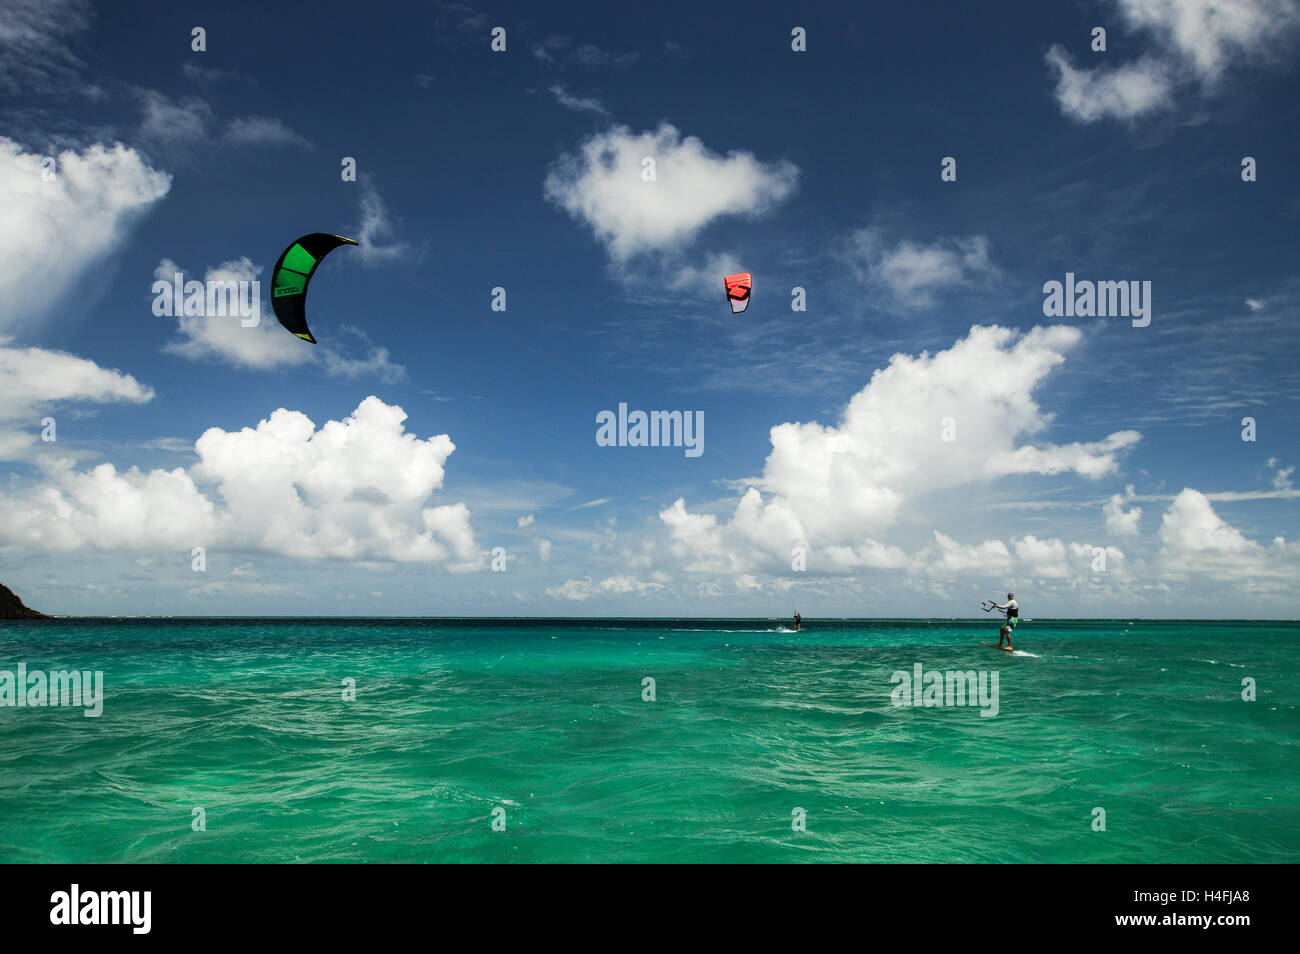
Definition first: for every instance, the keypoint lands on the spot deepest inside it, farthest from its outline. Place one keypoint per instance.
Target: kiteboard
(1005, 649)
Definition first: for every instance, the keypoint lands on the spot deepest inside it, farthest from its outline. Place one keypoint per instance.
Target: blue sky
(919, 437)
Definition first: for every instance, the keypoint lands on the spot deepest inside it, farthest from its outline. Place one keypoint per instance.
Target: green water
(545, 719)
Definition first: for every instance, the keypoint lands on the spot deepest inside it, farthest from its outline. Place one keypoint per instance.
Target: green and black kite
(292, 274)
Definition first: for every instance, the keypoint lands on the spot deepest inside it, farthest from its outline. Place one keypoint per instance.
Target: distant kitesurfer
(1012, 609)
(798, 620)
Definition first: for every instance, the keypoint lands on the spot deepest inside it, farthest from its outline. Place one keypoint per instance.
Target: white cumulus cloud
(33, 381)
(1120, 521)
(264, 346)
(602, 186)
(262, 131)
(173, 122)
(1191, 526)
(1209, 36)
(1196, 540)
(377, 227)
(1120, 92)
(355, 489)
(911, 273)
(1194, 44)
(834, 487)
(583, 588)
(53, 232)
(579, 104)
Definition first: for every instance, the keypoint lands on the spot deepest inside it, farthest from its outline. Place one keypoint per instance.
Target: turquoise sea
(545, 719)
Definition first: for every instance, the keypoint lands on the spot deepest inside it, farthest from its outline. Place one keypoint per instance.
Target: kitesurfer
(1012, 610)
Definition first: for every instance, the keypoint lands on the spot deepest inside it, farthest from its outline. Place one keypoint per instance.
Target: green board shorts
(1011, 623)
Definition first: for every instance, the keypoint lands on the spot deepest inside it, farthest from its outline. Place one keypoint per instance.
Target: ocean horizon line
(700, 619)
